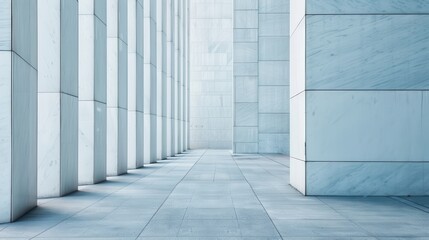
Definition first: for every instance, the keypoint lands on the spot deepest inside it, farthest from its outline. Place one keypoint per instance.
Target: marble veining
(396, 122)
(366, 178)
(49, 148)
(86, 142)
(366, 6)
(5, 134)
(367, 52)
(5, 25)
(24, 137)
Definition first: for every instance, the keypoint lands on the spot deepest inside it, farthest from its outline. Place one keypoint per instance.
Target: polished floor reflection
(210, 194)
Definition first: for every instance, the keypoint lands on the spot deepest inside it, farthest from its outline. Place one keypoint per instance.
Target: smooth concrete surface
(210, 194)
(211, 83)
(358, 91)
(58, 48)
(18, 108)
(92, 92)
(261, 76)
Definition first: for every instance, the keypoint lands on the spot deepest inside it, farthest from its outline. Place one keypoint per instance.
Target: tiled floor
(213, 195)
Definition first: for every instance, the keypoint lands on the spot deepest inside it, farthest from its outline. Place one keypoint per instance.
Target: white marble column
(180, 77)
(175, 75)
(169, 68)
(150, 73)
(183, 76)
(140, 84)
(159, 75)
(135, 84)
(164, 81)
(18, 108)
(117, 71)
(187, 80)
(92, 91)
(57, 151)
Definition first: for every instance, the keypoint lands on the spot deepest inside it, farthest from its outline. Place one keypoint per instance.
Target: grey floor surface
(210, 194)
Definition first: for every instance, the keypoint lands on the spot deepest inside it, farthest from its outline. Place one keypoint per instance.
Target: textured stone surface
(211, 73)
(358, 89)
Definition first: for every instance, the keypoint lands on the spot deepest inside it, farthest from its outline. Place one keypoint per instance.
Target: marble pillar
(159, 82)
(92, 91)
(117, 77)
(135, 84)
(150, 80)
(18, 108)
(175, 75)
(140, 84)
(169, 81)
(187, 80)
(164, 81)
(359, 97)
(57, 152)
(261, 76)
(180, 78)
(160, 76)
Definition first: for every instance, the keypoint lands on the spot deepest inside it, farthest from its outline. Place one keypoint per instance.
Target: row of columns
(88, 89)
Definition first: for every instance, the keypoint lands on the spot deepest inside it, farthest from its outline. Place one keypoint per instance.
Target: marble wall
(358, 95)
(18, 108)
(92, 91)
(57, 151)
(261, 76)
(117, 94)
(211, 82)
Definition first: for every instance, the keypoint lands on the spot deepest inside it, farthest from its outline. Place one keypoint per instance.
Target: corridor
(211, 194)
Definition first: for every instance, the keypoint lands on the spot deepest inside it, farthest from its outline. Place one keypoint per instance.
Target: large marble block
(274, 73)
(396, 44)
(246, 19)
(374, 178)
(246, 4)
(273, 99)
(367, 7)
(273, 143)
(396, 122)
(246, 89)
(246, 52)
(273, 48)
(274, 6)
(358, 91)
(246, 114)
(273, 24)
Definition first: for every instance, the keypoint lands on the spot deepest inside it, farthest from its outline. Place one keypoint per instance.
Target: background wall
(261, 76)
(211, 84)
